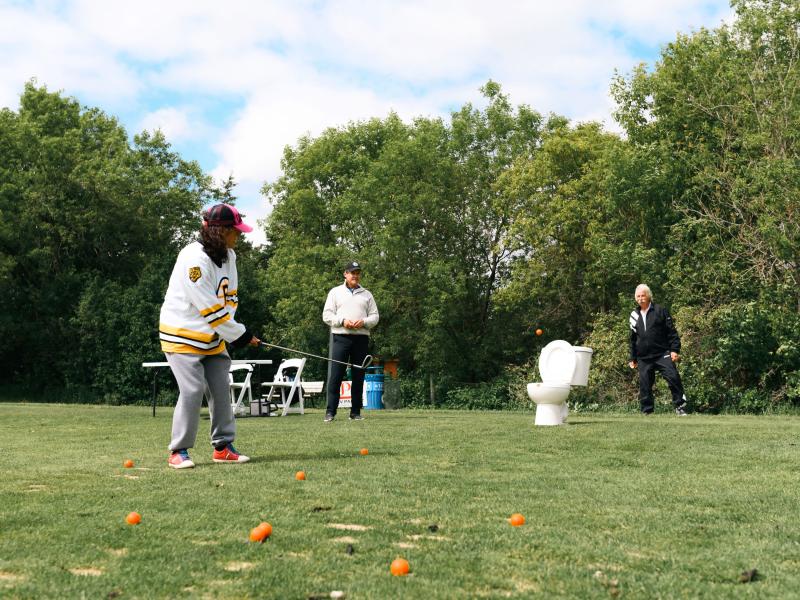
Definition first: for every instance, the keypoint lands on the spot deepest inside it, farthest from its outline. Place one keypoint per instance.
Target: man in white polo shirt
(350, 312)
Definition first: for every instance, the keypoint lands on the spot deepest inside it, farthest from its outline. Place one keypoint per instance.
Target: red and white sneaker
(229, 455)
(180, 460)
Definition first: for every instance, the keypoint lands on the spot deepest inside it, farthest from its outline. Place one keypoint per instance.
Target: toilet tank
(583, 358)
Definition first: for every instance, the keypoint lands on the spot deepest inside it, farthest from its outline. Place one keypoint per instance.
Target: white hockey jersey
(197, 316)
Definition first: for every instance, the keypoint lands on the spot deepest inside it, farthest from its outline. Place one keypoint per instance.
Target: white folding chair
(240, 388)
(288, 386)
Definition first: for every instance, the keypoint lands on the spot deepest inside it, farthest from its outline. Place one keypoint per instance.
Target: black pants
(352, 349)
(647, 377)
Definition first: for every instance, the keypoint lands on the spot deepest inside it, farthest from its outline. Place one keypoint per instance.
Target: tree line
(475, 231)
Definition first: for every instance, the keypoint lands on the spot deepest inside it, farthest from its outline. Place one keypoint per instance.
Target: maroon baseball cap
(225, 215)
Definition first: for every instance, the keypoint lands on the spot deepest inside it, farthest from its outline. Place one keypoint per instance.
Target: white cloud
(282, 68)
(39, 44)
(174, 123)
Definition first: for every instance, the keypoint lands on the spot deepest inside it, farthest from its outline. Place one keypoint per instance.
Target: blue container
(373, 385)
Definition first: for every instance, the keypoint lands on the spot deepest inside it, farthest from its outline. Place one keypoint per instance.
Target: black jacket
(658, 338)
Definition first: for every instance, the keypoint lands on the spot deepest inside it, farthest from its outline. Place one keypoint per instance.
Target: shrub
(612, 383)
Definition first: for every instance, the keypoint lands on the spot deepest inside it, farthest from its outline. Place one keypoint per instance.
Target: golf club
(367, 359)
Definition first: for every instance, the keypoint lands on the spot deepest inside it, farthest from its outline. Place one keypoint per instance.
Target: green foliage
(90, 229)
(722, 109)
(418, 205)
(474, 230)
(481, 396)
(611, 381)
(414, 392)
(748, 364)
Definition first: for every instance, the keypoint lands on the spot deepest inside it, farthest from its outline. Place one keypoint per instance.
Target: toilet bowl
(561, 366)
(551, 402)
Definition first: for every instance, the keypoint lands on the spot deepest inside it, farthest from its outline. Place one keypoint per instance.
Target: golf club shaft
(367, 359)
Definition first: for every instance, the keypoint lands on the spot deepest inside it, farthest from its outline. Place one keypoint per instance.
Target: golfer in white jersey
(197, 322)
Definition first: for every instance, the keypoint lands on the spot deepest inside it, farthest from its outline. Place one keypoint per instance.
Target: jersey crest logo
(194, 274)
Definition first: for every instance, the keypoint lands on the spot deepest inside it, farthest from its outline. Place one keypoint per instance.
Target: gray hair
(642, 287)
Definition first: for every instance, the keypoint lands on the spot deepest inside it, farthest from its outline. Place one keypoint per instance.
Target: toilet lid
(557, 362)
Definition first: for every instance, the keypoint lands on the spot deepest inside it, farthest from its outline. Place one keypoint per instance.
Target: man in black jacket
(655, 346)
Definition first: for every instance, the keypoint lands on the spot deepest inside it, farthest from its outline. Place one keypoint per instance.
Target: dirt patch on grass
(118, 551)
(348, 527)
(9, 577)
(87, 571)
(345, 539)
(205, 542)
(238, 566)
(607, 567)
(526, 587)
(405, 545)
(36, 487)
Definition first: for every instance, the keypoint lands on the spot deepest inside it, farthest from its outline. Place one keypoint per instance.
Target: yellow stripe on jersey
(221, 320)
(187, 333)
(208, 311)
(184, 349)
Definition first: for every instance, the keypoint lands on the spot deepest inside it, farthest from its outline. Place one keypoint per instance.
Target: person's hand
(632, 364)
(254, 341)
(674, 356)
(358, 324)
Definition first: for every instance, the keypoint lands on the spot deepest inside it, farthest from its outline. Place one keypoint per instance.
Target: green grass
(627, 506)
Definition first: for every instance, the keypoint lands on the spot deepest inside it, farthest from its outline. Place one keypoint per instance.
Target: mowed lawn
(616, 506)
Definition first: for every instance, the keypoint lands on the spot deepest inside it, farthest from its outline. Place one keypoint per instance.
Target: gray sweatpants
(196, 373)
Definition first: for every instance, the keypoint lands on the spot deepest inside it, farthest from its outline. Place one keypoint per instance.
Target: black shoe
(356, 418)
(681, 410)
(329, 417)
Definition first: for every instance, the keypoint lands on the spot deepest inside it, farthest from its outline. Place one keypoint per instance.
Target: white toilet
(561, 366)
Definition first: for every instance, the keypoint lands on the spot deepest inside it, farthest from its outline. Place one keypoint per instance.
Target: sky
(232, 83)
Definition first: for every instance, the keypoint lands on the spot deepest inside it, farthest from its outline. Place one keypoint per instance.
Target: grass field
(616, 506)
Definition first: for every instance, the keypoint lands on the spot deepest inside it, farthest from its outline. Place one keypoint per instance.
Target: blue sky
(232, 83)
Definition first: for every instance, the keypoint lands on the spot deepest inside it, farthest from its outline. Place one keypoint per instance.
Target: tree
(90, 229)
(723, 105)
(418, 204)
(721, 108)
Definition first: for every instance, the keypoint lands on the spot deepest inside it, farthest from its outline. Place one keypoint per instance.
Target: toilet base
(551, 414)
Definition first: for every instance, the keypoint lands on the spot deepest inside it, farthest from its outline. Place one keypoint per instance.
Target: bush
(738, 357)
(491, 395)
(414, 392)
(612, 383)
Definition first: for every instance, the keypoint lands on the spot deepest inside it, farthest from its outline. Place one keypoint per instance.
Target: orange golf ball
(399, 567)
(260, 533)
(300, 476)
(516, 520)
(128, 464)
(133, 518)
(364, 452)
(539, 332)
